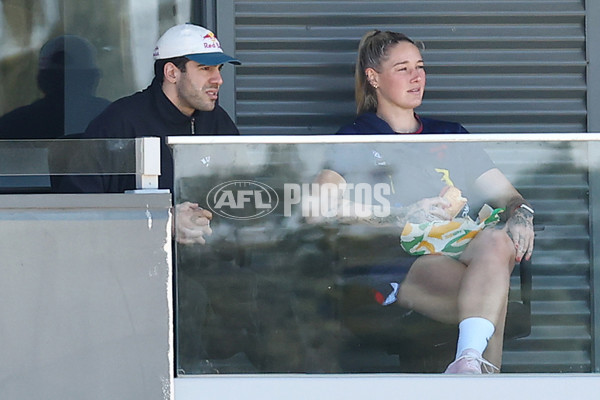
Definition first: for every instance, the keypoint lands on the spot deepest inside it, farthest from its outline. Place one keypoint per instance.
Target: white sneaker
(470, 362)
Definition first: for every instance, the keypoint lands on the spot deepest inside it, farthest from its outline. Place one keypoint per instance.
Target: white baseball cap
(194, 42)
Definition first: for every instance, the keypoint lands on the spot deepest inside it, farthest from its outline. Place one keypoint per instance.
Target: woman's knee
(495, 236)
(495, 240)
(493, 246)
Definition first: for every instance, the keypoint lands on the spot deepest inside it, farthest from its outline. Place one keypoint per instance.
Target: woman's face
(401, 78)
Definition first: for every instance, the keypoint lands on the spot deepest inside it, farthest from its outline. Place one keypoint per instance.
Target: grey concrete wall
(85, 290)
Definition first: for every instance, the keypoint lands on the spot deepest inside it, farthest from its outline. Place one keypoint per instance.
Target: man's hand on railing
(192, 223)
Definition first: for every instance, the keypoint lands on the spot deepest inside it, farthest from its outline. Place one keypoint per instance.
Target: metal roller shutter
(496, 67)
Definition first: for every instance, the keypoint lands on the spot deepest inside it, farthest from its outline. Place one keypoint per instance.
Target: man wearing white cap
(191, 84)
(181, 100)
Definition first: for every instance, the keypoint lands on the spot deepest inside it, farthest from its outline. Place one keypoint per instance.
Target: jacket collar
(370, 122)
(165, 108)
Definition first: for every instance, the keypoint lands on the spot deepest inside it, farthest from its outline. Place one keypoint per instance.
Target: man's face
(198, 87)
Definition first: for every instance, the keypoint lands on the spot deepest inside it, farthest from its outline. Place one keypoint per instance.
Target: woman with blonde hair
(470, 290)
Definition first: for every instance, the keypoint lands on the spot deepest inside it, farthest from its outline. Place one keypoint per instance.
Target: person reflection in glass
(68, 77)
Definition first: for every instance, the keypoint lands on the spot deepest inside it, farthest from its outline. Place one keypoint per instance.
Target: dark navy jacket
(370, 123)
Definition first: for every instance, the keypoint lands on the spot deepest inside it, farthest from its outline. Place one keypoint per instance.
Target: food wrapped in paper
(446, 237)
(454, 196)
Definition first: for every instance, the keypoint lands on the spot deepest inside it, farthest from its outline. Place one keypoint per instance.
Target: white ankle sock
(474, 333)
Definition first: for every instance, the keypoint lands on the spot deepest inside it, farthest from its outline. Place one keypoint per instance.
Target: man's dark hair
(159, 66)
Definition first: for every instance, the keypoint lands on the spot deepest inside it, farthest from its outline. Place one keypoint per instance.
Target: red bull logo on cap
(211, 42)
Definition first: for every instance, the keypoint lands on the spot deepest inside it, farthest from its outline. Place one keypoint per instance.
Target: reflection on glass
(282, 285)
(32, 31)
(68, 77)
(62, 63)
